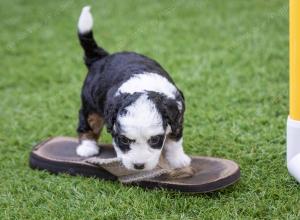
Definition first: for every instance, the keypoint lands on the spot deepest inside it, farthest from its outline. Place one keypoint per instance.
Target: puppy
(137, 101)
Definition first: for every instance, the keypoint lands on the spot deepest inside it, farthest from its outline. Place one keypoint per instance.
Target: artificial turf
(230, 58)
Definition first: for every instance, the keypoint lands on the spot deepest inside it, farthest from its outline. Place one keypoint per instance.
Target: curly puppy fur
(137, 101)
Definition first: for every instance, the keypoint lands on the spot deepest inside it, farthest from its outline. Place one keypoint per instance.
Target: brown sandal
(206, 174)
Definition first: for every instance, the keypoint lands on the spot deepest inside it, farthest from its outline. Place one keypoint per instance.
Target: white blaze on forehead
(148, 82)
(142, 120)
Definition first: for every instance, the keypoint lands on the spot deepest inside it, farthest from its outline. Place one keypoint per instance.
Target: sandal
(206, 174)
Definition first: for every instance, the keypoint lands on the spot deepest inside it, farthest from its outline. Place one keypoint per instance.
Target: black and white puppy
(137, 101)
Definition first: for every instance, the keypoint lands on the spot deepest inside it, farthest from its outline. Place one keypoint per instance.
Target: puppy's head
(139, 124)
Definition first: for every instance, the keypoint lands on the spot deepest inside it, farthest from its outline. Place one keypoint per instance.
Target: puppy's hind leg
(89, 130)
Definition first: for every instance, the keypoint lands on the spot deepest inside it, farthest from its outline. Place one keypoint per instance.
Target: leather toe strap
(115, 167)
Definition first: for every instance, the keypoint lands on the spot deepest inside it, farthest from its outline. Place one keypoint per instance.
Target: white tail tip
(85, 23)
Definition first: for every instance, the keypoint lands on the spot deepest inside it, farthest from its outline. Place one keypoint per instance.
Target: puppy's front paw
(87, 148)
(179, 160)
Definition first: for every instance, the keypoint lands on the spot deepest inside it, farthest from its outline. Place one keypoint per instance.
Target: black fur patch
(171, 114)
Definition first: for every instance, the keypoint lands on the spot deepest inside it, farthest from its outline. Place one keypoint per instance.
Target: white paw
(87, 148)
(178, 160)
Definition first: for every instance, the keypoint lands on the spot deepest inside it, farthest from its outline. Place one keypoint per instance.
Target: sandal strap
(115, 167)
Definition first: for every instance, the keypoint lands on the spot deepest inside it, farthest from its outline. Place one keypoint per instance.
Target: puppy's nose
(139, 166)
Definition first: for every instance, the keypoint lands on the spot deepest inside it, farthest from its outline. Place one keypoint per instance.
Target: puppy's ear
(174, 116)
(111, 111)
(172, 111)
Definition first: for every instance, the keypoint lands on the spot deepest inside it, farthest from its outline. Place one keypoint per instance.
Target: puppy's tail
(92, 52)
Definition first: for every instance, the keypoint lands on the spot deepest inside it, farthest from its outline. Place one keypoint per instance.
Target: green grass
(229, 57)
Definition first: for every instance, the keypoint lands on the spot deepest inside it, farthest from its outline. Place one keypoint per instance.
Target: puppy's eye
(124, 140)
(154, 140)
